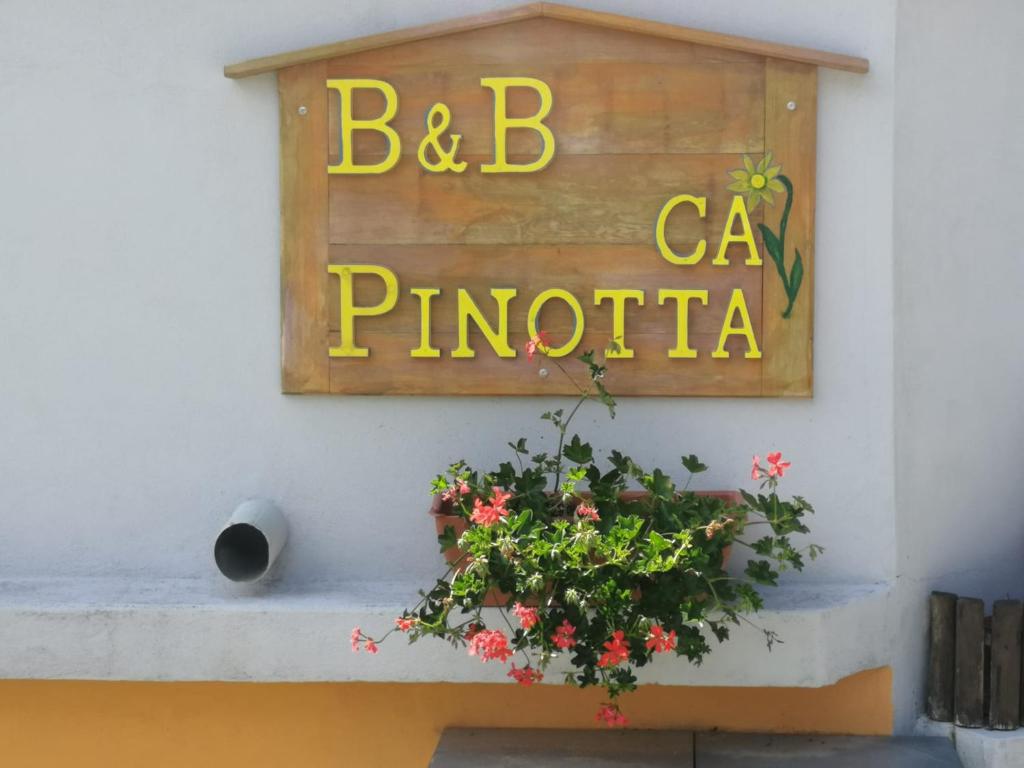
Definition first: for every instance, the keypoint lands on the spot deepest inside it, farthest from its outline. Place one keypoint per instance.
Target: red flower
(528, 617)
(490, 644)
(500, 497)
(659, 642)
(563, 636)
(617, 650)
(490, 514)
(404, 624)
(471, 632)
(611, 715)
(486, 515)
(587, 511)
(755, 471)
(538, 343)
(371, 647)
(455, 491)
(357, 633)
(776, 466)
(526, 675)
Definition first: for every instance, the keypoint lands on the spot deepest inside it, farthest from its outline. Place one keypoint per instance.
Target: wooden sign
(644, 189)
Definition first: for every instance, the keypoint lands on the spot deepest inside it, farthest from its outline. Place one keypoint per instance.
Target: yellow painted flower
(757, 182)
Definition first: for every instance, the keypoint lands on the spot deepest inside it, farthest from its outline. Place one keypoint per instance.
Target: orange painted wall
(262, 725)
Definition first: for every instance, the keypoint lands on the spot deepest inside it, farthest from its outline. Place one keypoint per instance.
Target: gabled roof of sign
(551, 11)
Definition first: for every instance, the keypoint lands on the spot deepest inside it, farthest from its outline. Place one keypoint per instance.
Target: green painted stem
(783, 223)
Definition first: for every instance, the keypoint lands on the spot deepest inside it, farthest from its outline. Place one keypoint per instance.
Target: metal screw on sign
(543, 373)
(791, 105)
(303, 110)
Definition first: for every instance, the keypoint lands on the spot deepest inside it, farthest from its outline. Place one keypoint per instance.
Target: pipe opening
(242, 552)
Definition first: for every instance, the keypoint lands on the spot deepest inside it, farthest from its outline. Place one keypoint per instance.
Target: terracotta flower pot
(440, 510)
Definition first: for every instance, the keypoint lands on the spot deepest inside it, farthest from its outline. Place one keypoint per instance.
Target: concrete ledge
(977, 747)
(123, 629)
(511, 748)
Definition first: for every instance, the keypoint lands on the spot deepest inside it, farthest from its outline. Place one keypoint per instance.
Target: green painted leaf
(774, 246)
(771, 243)
(795, 277)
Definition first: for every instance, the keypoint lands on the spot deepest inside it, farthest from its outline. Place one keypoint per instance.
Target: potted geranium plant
(609, 576)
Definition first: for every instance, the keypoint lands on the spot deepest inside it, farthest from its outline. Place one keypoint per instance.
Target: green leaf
(520, 520)
(578, 452)
(505, 475)
(771, 243)
(795, 278)
(531, 481)
(604, 397)
(660, 485)
(658, 543)
(693, 464)
(720, 631)
(803, 504)
(621, 462)
(777, 257)
(448, 539)
(761, 572)
(519, 446)
(764, 546)
(748, 599)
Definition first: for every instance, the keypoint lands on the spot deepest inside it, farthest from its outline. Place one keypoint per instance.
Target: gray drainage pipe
(250, 541)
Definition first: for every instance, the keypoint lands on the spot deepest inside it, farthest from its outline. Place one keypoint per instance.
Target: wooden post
(942, 652)
(1004, 709)
(969, 676)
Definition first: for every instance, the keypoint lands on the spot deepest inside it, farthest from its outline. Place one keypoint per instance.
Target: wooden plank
(1005, 686)
(576, 199)
(563, 44)
(649, 373)
(551, 10)
(579, 269)
(941, 656)
(303, 229)
(969, 685)
(703, 37)
(790, 137)
(396, 37)
(613, 91)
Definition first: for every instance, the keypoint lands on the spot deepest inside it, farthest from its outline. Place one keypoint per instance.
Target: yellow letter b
(502, 122)
(348, 125)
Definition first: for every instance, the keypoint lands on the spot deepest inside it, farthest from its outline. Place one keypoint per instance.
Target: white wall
(959, 282)
(139, 396)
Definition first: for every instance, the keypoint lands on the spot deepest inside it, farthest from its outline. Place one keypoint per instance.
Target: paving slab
(543, 748)
(727, 750)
